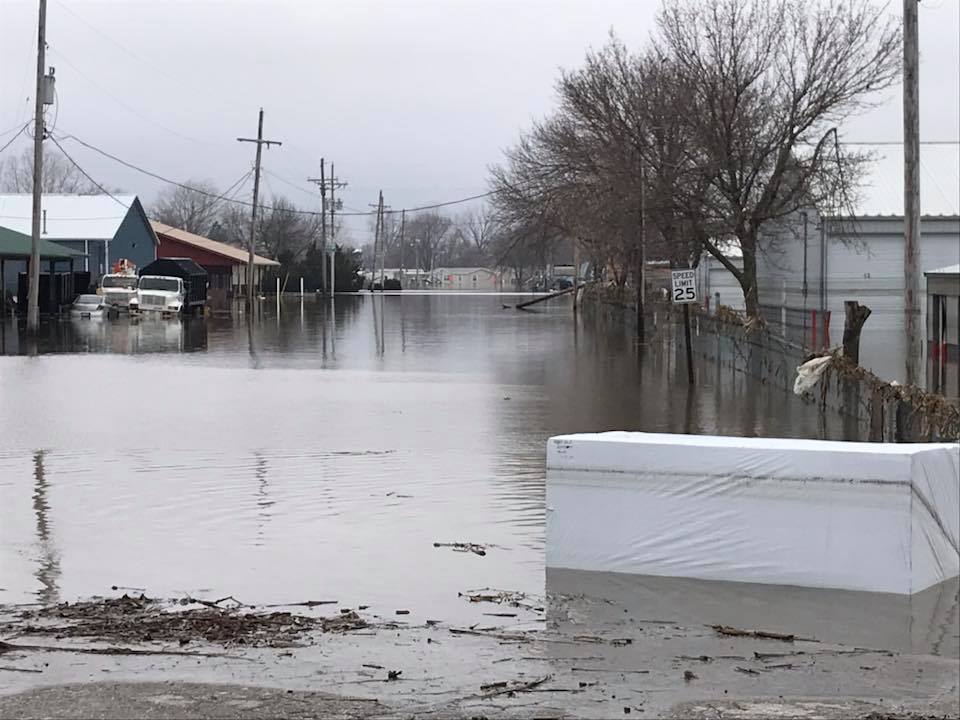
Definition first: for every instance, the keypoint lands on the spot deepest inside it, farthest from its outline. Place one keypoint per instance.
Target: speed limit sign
(684, 286)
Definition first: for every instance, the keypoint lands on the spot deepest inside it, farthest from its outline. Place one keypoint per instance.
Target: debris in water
(403, 612)
(689, 675)
(763, 634)
(504, 597)
(393, 674)
(493, 686)
(474, 548)
(507, 688)
(131, 619)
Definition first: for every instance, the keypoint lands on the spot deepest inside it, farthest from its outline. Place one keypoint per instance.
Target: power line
(304, 190)
(442, 204)
(83, 172)
(10, 141)
(898, 142)
(15, 127)
(124, 105)
(311, 213)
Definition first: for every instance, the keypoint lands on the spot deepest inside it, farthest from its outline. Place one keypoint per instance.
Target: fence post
(813, 330)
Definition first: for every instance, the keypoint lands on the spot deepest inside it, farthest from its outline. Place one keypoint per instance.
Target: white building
(808, 267)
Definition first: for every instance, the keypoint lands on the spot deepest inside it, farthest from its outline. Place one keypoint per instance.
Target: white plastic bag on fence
(809, 374)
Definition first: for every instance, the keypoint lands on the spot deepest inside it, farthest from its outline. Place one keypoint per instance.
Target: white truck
(159, 293)
(118, 290)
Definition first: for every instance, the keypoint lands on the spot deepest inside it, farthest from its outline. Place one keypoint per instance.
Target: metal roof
(213, 246)
(68, 217)
(949, 270)
(15, 244)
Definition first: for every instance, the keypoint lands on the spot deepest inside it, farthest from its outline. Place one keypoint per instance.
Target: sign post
(683, 291)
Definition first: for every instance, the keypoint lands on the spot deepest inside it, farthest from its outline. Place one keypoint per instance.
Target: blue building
(104, 228)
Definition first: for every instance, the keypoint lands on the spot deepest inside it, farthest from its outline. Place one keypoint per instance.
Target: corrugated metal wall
(864, 262)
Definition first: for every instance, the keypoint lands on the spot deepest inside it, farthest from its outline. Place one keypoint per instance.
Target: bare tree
(726, 124)
(427, 231)
(189, 210)
(477, 228)
(59, 175)
(769, 81)
(284, 233)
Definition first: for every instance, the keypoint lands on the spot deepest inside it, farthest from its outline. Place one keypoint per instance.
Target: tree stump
(856, 316)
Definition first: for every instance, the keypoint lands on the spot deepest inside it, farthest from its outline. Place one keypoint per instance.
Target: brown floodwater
(319, 453)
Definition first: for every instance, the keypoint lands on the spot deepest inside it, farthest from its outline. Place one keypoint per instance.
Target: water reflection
(264, 503)
(925, 623)
(128, 336)
(48, 564)
(323, 450)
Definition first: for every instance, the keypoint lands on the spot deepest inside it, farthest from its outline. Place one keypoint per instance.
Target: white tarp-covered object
(856, 516)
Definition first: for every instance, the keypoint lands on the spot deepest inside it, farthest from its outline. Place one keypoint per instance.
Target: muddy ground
(632, 651)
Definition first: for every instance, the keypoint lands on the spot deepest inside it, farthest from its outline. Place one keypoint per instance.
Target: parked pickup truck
(171, 286)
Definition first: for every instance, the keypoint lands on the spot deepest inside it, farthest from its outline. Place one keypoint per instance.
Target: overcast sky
(417, 98)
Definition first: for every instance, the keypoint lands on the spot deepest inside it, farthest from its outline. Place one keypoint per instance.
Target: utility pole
(383, 241)
(576, 272)
(403, 227)
(322, 182)
(33, 288)
(376, 240)
(911, 189)
(641, 291)
(379, 243)
(327, 183)
(256, 199)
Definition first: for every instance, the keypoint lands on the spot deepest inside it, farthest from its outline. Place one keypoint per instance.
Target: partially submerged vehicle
(171, 286)
(118, 289)
(89, 306)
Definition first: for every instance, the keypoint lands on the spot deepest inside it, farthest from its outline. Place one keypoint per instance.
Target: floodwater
(321, 452)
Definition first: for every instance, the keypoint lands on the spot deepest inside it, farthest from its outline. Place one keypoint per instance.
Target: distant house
(103, 228)
(226, 265)
(468, 278)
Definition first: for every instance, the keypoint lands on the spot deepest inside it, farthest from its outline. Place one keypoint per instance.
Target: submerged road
(322, 455)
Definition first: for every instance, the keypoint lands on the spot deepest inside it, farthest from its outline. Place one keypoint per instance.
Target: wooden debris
(493, 686)
(762, 634)
(474, 548)
(512, 688)
(512, 637)
(393, 674)
(16, 647)
(773, 656)
(689, 675)
(747, 671)
(610, 670)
